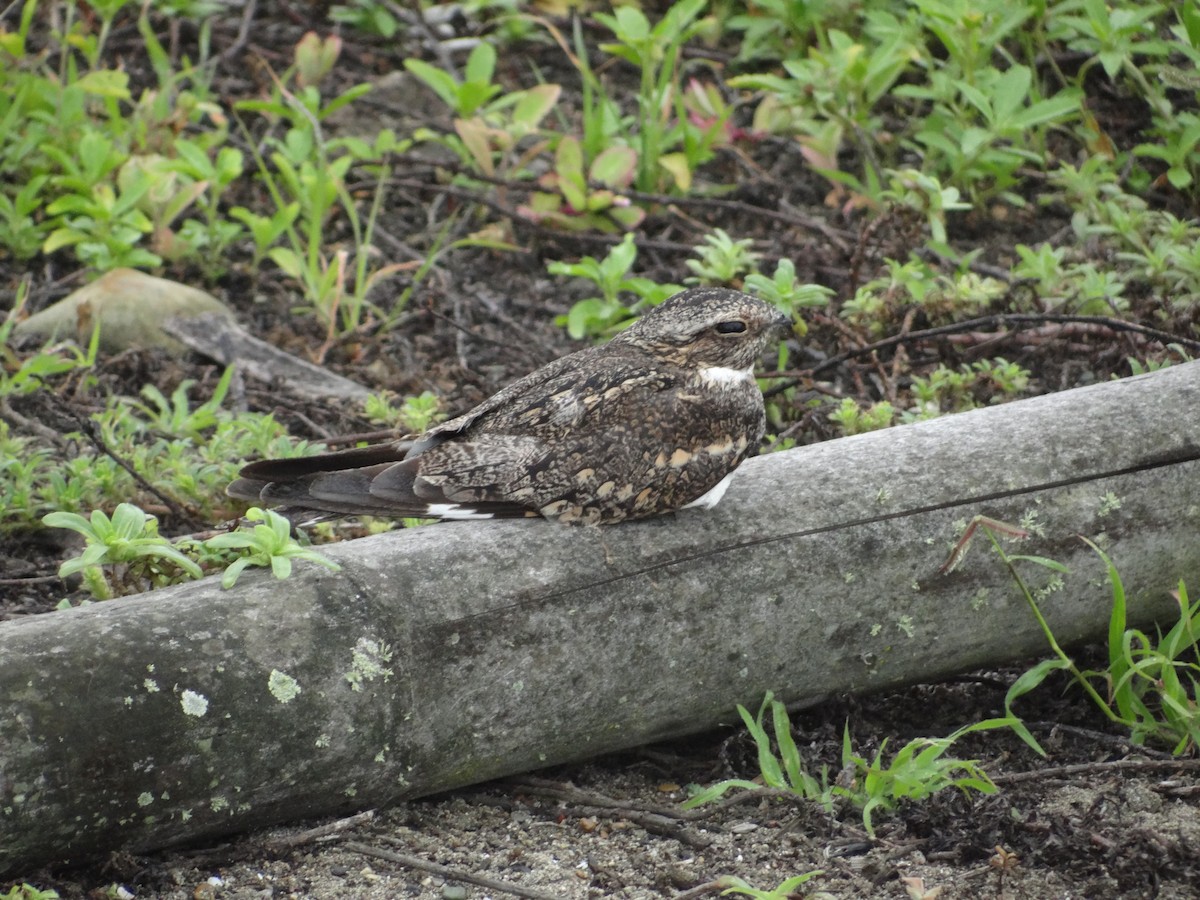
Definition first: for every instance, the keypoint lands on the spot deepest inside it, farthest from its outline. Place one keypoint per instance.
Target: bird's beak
(783, 323)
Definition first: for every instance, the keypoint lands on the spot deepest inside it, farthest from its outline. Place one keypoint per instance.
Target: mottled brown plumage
(648, 423)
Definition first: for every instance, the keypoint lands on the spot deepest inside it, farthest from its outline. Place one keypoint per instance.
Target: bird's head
(707, 327)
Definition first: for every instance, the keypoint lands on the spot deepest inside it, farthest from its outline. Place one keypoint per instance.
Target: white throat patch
(725, 375)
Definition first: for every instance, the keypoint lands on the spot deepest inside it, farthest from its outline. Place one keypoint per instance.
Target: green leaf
(481, 64)
(107, 83)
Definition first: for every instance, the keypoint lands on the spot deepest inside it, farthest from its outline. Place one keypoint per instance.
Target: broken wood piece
(448, 655)
(225, 341)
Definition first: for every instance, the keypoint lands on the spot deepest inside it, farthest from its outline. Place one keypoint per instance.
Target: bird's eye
(734, 327)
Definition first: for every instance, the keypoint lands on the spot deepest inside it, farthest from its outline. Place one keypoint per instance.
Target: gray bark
(224, 340)
(448, 655)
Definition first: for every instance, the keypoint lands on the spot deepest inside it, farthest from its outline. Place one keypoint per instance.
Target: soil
(1099, 818)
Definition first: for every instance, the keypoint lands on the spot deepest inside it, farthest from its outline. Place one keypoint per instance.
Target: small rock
(130, 307)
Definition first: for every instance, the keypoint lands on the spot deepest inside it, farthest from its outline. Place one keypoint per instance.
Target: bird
(655, 420)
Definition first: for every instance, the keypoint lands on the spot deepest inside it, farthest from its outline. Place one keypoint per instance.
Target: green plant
(576, 201)
(722, 260)
(122, 554)
(981, 134)
(924, 194)
(370, 16)
(947, 390)
(1151, 686)
(415, 414)
(776, 29)
(839, 83)
(103, 224)
(785, 891)
(1114, 39)
(26, 891)
(916, 771)
(595, 316)
(176, 417)
(307, 171)
(655, 51)
(267, 544)
(854, 419)
(24, 376)
(465, 95)
(784, 292)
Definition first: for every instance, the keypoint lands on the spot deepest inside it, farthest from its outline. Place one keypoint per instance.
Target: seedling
(918, 770)
(268, 544)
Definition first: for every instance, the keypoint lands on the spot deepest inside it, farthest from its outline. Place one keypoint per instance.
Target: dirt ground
(1097, 819)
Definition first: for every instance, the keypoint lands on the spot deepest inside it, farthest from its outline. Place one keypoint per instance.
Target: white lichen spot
(185, 815)
(883, 495)
(1109, 504)
(381, 756)
(145, 798)
(150, 667)
(151, 686)
(453, 640)
(217, 804)
(979, 600)
(351, 791)
(1052, 586)
(905, 624)
(849, 577)
(518, 687)
(283, 687)
(875, 629)
(193, 704)
(322, 741)
(1029, 522)
(368, 661)
(128, 701)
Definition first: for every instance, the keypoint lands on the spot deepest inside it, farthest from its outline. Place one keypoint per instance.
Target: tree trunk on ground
(448, 655)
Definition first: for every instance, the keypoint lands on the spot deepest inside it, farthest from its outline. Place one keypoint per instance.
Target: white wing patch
(455, 511)
(713, 496)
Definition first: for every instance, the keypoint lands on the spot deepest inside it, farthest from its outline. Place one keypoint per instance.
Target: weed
(26, 891)
(465, 95)
(1151, 686)
(722, 260)
(855, 419)
(306, 178)
(655, 50)
(267, 544)
(786, 889)
(601, 315)
(784, 292)
(128, 544)
(415, 415)
(947, 390)
(916, 771)
(577, 201)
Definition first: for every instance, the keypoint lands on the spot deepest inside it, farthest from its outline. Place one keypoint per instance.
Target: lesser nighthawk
(655, 420)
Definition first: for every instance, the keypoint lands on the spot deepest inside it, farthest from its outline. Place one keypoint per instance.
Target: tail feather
(363, 481)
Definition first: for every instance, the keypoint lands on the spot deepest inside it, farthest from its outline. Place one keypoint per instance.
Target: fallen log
(448, 655)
